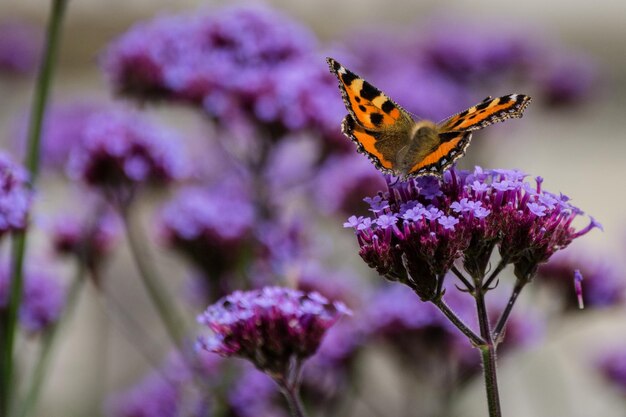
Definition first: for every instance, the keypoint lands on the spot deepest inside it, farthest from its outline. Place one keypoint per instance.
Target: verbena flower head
(89, 239)
(62, 130)
(43, 297)
(15, 197)
(271, 327)
(420, 227)
(20, 44)
(120, 149)
(209, 225)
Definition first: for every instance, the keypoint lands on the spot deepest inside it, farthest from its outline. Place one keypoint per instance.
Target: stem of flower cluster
(152, 282)
(488, 355)
(39, 103)
(458, 323)
(49, 340)
(292, 395)
(504, 317)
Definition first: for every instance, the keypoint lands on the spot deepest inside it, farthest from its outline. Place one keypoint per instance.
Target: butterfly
(400, 145)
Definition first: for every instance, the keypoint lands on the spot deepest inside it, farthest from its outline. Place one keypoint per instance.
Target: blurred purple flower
(242, 62)
(63, 129)
(155, 396)
(604, 283)
(210, 226)
(15, 197)
(89, 239)
(254, 394)
(342, 182)
(43, 297)
(20, 44)
(612, 365)
(336, 285)
(419, 250)
(471, 53)
(271, 327)
(119, 148)
(566, 78)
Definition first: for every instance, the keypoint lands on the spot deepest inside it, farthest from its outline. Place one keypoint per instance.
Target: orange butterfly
(399, 145)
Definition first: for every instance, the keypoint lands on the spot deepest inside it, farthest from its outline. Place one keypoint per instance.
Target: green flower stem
(458, 323)
(152, 281)
(504, 317)
(40, 100)
(49, 341)
(292, 395)
(488, 355)
(501, 265)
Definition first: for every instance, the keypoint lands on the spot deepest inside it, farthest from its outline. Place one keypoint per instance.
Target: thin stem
(292, 395)
(462, 278)
(152, 281)
(501, 265)
(40, 100)
(454, 319)
(504, 317)
(488, 354)
(49, 342)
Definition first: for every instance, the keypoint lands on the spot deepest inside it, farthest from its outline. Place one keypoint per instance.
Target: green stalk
(49, 342)
(152, 282)
(40, 100)
(488, 355)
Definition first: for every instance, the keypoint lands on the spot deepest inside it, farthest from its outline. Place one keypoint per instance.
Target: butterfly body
(396, 143)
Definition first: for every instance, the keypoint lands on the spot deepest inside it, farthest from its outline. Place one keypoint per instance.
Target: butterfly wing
(375, 123)
(451, 146)
(486, 113)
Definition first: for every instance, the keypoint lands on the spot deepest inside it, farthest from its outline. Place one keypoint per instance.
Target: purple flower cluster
(89, 239)
(270, 327)
(43, 298)
(419, 228)
(20, 44)
(120, 148)
(62, 131)
(243, 62)
(209, 225)
(15, 197)
(604, 284)
(342, 182)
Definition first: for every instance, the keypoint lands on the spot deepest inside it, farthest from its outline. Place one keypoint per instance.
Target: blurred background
(571, 135)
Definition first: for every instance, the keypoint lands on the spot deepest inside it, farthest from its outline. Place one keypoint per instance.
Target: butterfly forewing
(369, 107)
(486, 113)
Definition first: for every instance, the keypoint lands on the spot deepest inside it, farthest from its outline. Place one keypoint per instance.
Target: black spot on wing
(357, 99)
(483, 105)
(388, 106)
(368, 91)
(376, 119)
(503, 100)
(362, 108)
(348, 77)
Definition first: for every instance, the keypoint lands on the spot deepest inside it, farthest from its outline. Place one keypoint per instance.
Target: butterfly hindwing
(452, 146)
(367, 105)
(369, 143)
(486, 113)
